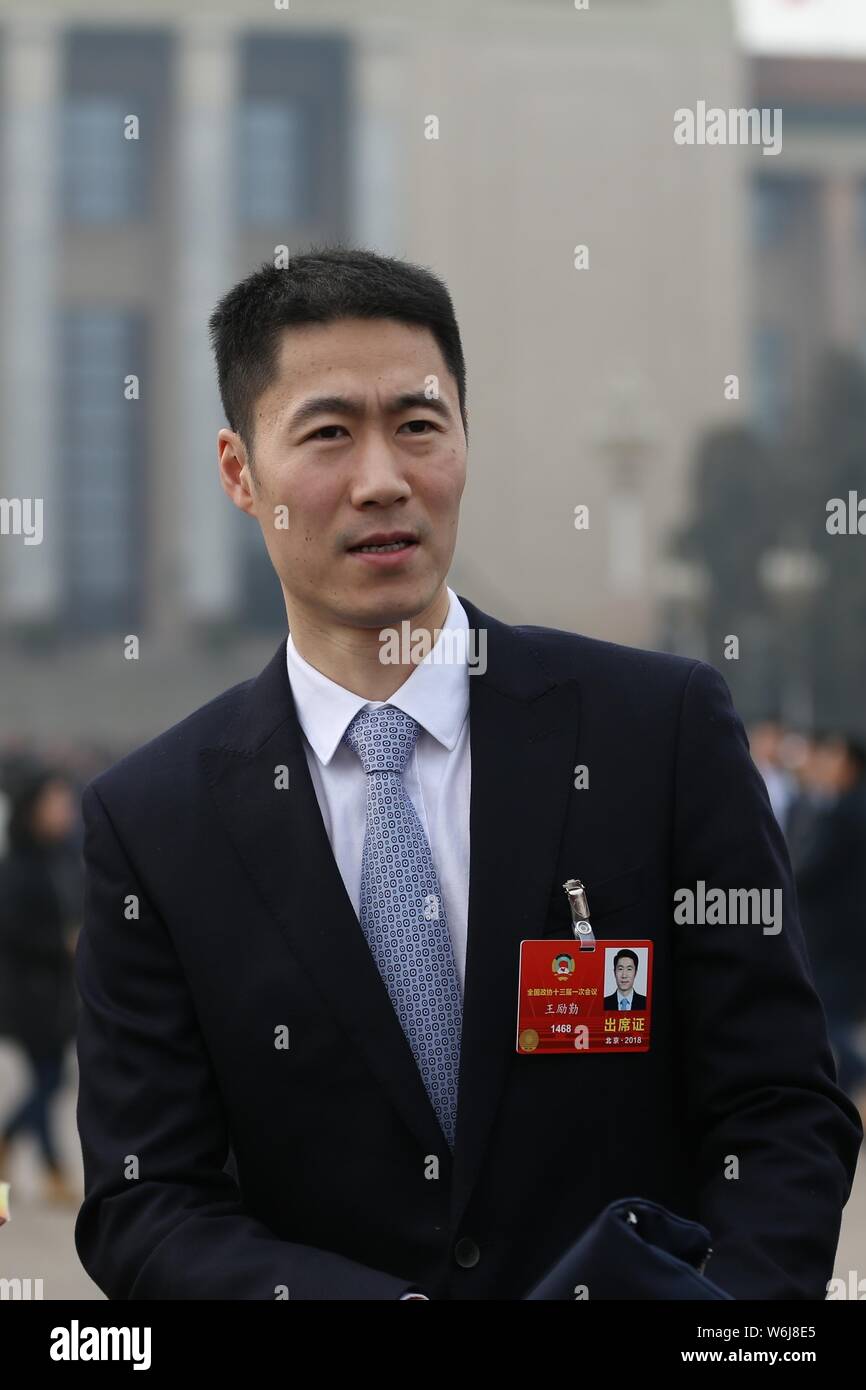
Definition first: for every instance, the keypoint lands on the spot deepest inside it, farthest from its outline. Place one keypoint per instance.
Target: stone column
(378, 188)
(839, 218)
(206, 97)
(31, 586)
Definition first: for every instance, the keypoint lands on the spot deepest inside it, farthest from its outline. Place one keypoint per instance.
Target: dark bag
(633, 1249)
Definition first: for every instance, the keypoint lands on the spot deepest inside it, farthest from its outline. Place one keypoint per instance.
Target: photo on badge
(625, 979)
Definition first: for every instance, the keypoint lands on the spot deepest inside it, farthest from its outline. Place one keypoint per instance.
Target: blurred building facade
(768, 571)
(809, 229)
(259, 127)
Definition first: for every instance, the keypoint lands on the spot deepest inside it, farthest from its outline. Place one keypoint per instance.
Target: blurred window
(778, 204)
(275, 150)
(102, 460)
(262, 601)
(771, 379)
(861, 212)
(101, 180)
(292, 134)
(108, 76)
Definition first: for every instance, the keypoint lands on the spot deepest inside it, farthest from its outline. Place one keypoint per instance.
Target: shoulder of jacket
(573, 653)
(170, 751)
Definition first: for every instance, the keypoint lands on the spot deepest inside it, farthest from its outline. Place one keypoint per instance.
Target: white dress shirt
(437, 775)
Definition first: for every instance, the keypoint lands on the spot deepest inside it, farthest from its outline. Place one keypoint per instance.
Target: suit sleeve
(160, 1217)
(773, 1139)
(830, 853)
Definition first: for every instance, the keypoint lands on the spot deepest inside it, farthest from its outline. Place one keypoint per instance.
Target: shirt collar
(436, 694)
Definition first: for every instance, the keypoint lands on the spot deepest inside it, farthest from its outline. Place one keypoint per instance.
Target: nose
(378, 475)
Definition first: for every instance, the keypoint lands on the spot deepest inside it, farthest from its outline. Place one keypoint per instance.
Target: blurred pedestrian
(37, 993)
(831, 886)
(811, 799)
(766, 740)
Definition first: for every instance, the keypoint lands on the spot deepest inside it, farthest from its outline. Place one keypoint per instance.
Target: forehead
(355, 354)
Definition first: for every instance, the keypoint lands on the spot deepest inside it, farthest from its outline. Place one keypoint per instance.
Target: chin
(392, 604)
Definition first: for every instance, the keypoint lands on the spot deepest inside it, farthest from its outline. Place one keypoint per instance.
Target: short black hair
(854, 748)
(24, 796)
(626, 952)
(856, 751)
(320, 286)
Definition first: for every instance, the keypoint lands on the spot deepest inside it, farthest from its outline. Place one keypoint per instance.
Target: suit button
(466, 1253)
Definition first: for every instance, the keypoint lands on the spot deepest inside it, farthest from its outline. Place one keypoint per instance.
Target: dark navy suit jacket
(218, 1165)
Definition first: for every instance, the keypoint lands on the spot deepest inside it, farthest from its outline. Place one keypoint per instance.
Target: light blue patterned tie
(401, 911)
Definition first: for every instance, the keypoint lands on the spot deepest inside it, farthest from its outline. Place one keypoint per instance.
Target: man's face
(831, 763)
(625, 973)
(54, 813)
(343, 472)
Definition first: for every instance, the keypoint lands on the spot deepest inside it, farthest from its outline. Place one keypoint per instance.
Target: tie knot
(382, 738)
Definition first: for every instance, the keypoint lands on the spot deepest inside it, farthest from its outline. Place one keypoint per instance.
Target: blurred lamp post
(792, 576)
(681, 588)
(623, 432)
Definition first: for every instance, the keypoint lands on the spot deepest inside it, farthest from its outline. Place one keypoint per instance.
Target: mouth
(386, 550)
(388, 557)
(383, 543)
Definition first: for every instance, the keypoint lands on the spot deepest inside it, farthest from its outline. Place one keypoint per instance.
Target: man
(625, 964)
(831, 884)
(767, 742)
(305, 901)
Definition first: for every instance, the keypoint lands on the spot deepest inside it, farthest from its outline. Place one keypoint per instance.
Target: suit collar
(523, 739)
(514, 669)
(436, 694)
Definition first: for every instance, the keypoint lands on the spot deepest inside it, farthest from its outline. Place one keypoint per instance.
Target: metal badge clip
(579, 904)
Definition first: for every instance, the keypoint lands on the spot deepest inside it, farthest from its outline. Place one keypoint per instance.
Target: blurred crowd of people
(817, 789)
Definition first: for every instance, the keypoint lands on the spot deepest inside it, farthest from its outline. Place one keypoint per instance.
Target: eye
(322, 429)
(428, 423)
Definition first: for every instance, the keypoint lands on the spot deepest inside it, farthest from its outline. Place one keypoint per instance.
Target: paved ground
(37, 1242)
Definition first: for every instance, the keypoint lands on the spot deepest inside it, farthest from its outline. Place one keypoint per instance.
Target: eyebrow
(346, 405)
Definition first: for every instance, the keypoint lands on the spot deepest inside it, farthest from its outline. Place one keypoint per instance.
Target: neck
(351, 656)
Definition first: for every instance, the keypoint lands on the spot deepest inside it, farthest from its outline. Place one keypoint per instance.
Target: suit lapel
(282, 841)
(523, 734)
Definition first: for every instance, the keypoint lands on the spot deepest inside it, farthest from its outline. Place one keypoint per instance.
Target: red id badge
(573, 1000)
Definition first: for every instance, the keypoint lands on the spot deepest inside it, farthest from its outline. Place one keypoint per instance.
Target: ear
(234, 470)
